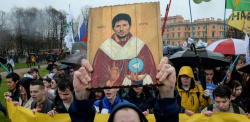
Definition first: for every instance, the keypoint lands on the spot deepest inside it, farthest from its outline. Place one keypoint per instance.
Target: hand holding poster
(124, 45)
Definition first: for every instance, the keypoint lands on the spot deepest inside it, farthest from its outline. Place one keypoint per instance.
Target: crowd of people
(64, 91)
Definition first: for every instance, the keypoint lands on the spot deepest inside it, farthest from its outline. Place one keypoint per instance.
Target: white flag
(247, 47)
(200, 43)
(69, 39)
(190, 41)
(184, 44)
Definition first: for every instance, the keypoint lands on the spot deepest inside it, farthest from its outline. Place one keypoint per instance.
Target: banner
(240, 20)
(238, 5)
(21, 114)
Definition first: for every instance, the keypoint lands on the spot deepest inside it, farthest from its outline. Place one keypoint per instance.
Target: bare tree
(31, 29)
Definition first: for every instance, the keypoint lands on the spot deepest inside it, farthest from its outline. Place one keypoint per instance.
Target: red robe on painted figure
(116, 60)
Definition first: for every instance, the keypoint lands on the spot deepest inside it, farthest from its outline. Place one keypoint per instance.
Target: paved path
(3, 74)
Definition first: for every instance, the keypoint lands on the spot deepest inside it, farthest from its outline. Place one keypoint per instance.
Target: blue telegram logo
(136, 65)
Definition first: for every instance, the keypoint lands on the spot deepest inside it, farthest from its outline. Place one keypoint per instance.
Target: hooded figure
(124, 105)
(63, 70)
(193, 97)
(25, 83)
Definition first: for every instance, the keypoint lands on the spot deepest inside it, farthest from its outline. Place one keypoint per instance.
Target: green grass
(4, 88)
(18, 66)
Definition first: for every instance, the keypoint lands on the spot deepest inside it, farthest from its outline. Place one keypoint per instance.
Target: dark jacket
(58, 103)
(245, 94)
(50, 67)
(165, 110)
(239, 102)
(15, 95)
(146, 101)
(37, 59)
(46, 107)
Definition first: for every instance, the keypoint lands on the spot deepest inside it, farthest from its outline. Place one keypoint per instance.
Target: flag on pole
(184, 44)
(82, 31)
(200, 43)
(190, 41)
(69, 39)
(238, 5)
(247, 47)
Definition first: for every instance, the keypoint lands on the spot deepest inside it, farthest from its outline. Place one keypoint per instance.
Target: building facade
(178, 30)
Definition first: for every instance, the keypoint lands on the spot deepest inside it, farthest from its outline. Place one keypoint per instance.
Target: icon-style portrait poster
(124, 45)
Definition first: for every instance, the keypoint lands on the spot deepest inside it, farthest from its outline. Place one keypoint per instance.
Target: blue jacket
(106, 105)
(165, 110)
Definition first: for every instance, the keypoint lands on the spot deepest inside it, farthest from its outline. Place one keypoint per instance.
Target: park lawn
(4, 88)
(18, 66)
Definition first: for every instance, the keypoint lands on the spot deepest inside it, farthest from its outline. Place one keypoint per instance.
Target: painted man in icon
(123, 59)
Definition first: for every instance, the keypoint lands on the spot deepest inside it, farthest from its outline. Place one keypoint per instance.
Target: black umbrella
(3, 60)
(75, 59)
(170, 49)
(79, 46)
(245, 68)
(208, 58)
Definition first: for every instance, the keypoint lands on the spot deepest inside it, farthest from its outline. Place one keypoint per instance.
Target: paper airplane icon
(136, 66)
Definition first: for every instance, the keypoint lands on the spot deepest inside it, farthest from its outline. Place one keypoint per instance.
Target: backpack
(235, 107)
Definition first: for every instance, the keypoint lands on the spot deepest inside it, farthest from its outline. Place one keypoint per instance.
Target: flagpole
(231, 67)
(224, 19)
(191, 21)
(165, 19)
(206, 34)
(4, 67)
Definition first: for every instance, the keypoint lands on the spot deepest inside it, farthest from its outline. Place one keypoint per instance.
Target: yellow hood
(186, 70)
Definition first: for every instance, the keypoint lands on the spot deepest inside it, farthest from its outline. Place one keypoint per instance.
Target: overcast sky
(214, 8)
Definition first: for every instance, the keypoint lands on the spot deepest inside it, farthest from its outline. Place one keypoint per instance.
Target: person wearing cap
(166, 108)
(35, 73)
(50, 65)
(63, 70)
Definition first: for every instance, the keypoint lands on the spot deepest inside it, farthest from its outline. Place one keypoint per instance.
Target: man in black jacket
(12, 82)
(40, 102)
(64, 97)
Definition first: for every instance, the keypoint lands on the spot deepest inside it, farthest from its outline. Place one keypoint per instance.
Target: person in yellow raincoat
(33, 60)
(191, 95)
